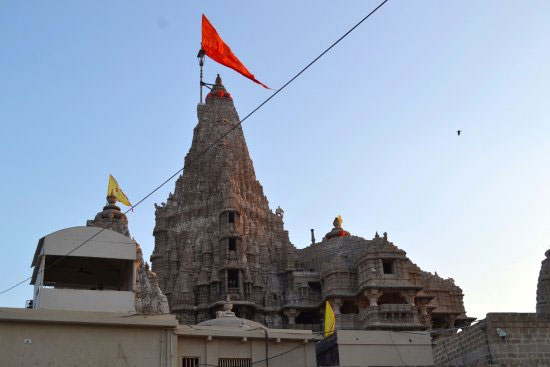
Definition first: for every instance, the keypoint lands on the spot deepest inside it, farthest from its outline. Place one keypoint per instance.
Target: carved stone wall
(372, 284)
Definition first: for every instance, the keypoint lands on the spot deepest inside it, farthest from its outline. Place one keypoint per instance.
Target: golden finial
(338, 222)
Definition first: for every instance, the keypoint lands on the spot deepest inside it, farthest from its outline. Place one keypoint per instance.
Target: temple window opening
(388, 266)
(314, 286)
(232, 243)
(233, 278)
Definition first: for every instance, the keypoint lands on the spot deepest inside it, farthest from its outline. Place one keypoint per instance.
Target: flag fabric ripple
(219, 51)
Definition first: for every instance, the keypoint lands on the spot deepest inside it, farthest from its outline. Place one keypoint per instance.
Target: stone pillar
(241, 284)
(452, 319)
(423, 306)
(372, 295)
(292, 314)
(429, 318)
(409, 296)
(226, 282)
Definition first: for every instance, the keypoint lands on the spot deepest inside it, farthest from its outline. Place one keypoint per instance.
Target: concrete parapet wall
(353, 348)
(68, 338)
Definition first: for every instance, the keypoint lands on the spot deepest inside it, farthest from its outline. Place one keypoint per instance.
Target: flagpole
(201, 63)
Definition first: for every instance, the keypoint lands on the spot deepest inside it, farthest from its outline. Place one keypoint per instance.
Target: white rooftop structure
(98, 275)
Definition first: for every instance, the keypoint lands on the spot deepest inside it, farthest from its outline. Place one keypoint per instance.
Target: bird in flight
(458, 132)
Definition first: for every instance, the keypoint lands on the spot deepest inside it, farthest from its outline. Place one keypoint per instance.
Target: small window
(232, 244)
(190, 362)
(315, 286)
(231, 217)
(233, 278)
(307, 317)
(389, 266)
(234, 362)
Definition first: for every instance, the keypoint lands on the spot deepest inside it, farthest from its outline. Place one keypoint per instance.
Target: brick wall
(525, 342)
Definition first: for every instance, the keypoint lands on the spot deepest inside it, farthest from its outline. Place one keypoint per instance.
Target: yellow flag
(116, 191)
(330, 320)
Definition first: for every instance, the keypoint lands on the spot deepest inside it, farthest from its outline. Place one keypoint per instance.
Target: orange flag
(217, 50)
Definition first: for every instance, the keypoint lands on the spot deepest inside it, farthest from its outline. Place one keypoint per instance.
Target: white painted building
(84, 269)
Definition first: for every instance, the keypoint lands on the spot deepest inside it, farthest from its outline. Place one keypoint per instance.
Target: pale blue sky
(369, 132)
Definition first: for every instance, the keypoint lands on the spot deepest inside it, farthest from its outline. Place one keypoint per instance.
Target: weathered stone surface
(543, 286)
(149, 298)
(216, 236)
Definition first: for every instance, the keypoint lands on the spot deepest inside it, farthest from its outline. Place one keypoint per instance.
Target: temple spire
(218, 91)
(218, 200)
(337, 231)
(111, 217)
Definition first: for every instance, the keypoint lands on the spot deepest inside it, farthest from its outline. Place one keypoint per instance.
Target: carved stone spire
(216, 215)
(218, 91)
(111, 217)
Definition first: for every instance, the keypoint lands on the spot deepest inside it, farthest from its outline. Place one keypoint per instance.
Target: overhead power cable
(195, 158)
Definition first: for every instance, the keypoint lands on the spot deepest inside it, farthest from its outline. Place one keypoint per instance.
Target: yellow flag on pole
(116, 191)
(330, 320)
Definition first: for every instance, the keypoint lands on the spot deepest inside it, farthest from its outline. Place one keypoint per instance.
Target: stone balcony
(309, 301)
(231, 255)
(347, 321)
(391, 316)
(392, 308)
(231, 259)
(234, 293)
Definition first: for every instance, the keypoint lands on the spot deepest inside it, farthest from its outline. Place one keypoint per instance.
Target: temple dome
(227, 318)
(111, 211)
(337, 231)
(218, 91)
(233, 322)
(111, 217)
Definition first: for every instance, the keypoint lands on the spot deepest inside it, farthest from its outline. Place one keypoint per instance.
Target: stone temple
(543, 286)
(217, 237)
